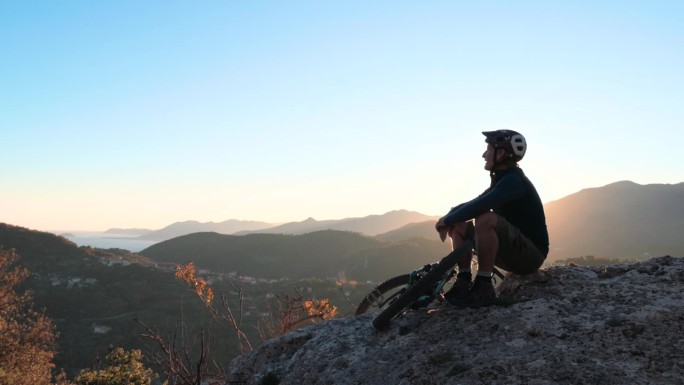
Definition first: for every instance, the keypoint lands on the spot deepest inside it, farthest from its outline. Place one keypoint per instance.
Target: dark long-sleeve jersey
(512, 196)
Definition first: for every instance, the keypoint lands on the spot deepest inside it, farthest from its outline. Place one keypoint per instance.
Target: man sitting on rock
(509, 223)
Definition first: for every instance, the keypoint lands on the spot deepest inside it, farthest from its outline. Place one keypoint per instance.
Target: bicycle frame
(418, 288)
(436, 291)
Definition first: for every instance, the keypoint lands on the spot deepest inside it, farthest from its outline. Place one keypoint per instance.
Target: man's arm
(442, 228)
(509, 188)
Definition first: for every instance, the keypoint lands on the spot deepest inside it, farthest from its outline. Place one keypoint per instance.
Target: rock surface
(617, 324)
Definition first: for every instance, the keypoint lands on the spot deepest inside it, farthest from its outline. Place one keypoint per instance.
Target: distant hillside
(38, 248)
(133, 232)
(178, 229)
(47, 252)
(369, 225)
(412, 230)
(317, 254)
(620, 220)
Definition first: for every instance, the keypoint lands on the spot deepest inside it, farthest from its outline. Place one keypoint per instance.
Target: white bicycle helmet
(511, 141)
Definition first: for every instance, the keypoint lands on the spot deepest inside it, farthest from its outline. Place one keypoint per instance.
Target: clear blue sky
(144, 113)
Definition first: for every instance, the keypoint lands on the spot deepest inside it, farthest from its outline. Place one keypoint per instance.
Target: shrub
(122, 368)
(27, 337)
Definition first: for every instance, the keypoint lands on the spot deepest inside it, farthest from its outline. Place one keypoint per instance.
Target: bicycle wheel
(378, 298)
(424, 285)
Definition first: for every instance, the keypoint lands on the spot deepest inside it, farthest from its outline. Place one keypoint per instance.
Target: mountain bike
(405, 292)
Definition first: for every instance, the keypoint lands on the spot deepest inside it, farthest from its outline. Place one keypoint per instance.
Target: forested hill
(80, 287)
(42, 251)
(621, 220)
(317, 254)
(37, 246)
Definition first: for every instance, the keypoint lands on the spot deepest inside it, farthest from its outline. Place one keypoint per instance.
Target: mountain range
(622, 220)
(178, 229)
(368, 225)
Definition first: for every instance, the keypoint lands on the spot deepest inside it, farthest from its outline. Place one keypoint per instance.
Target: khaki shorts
(517, 253)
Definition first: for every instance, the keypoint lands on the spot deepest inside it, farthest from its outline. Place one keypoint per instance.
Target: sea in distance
(108, 240)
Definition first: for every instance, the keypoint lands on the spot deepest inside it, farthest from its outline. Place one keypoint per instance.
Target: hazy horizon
(140, 115)
(87, 232)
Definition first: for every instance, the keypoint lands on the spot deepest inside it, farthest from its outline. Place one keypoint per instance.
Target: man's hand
(442, 229)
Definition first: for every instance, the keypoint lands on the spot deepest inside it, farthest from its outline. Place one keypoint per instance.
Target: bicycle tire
(380, 290)
(421, 287)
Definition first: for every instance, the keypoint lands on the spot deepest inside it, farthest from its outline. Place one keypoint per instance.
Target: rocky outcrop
(618, 324)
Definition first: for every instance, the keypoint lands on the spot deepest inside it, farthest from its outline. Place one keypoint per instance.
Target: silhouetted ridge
(368, 225)
(317, 254)
(188, 227)
(620, 220)
(37, 246)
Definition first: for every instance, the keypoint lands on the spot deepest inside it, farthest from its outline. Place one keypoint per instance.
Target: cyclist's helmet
(511, 141)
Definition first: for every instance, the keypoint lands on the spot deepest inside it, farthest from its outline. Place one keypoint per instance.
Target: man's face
(488, 156)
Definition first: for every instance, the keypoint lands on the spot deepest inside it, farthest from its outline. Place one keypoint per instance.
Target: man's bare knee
(486, 221)
(458, 231)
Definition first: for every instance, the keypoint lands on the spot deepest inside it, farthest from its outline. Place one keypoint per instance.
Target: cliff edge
(613, 324)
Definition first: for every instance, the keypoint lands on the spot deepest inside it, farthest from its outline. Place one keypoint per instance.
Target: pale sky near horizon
(144, 113)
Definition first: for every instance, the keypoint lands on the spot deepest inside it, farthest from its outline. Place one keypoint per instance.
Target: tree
(190, 360)
(188, 274)
(289, 312)
(27, 337)
(123, 368)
